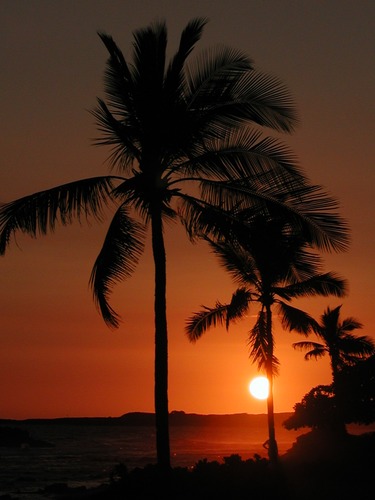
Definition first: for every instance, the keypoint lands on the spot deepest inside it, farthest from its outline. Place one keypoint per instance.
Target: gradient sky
(57, 357)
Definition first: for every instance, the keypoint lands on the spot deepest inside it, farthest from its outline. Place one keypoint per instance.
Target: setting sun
(259, 387)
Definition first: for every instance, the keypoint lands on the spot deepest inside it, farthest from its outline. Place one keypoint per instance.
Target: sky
(57, 357)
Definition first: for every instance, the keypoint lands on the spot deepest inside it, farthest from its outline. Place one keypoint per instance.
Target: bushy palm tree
(184, 138)
(271, 265)
(343, 348)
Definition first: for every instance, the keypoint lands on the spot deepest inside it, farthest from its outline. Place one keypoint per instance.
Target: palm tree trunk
(161, 344)
(273, 453)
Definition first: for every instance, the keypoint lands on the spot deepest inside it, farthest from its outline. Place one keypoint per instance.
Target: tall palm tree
(343, 348)
(184, 138)
(271, 266)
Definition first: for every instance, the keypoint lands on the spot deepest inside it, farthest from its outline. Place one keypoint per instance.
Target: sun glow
(259, 387)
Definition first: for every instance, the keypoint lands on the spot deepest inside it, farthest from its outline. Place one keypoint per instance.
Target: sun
(259, 387)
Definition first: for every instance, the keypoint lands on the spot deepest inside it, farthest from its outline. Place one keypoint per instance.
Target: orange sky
(57, 358)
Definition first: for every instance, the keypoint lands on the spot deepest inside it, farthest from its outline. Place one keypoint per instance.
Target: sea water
(86, 454)
(81, 455)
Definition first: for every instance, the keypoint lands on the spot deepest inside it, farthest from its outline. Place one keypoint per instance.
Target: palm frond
(239, 305)
(319, 285)
(257, 341)
(122, 138)
(294, 319)
(316, 213)
(149, 57)
(360, 347)
(349, 324)
(116, 261)
(319, 225)
(212, 75)
(307, 209)
(315, 350)
(200, 218)
(203, 320)
(119, 86)
(305, 263)
(294, 258)
(238, 93)
(260, 346)
(175, 77)
(266, 101)
(330, 321)
(40, 212)
(244, 154)
(239, 264)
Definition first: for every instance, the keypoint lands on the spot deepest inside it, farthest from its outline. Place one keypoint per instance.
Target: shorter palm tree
(343, 348)
(272, 266)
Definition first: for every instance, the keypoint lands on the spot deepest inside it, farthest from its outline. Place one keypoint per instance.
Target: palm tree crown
(343, 348)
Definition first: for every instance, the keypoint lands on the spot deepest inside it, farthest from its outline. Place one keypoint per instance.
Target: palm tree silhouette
(271, 265)
(343, 348)
(183, 139)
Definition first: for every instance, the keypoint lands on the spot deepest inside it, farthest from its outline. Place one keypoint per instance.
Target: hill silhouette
(176, 417)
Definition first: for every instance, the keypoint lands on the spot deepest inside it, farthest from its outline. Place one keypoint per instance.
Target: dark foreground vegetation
(319, 465)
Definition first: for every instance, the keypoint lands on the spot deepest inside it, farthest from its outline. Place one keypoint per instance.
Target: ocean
(85, 453)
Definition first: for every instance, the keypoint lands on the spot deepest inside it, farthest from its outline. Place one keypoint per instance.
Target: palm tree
(184, 138)
(271, 266)
(343, 348)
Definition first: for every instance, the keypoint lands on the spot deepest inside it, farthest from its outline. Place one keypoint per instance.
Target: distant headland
(176, 418)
